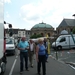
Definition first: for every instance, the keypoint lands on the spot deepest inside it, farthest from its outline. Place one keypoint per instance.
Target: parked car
(10, 46)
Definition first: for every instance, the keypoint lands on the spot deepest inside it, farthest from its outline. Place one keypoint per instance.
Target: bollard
(56, 55)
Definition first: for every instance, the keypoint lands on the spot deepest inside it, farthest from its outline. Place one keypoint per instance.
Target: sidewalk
(67, 56)
(53, 67)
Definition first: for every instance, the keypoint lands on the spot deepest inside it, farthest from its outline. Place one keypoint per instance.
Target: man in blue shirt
(23, 46)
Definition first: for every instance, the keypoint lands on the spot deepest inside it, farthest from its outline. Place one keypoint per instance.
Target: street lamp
(73, 15)
(10, 28)
(74, 28)
(4, 22)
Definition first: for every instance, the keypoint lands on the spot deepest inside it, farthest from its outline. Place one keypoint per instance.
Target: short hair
(23, 38)
(40, 40)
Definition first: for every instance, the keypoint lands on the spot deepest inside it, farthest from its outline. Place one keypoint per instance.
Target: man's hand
(27, 48)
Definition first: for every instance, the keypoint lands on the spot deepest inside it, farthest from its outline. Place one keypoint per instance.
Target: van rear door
(72, 44)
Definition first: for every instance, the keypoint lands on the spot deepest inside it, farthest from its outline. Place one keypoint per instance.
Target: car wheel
(14, 52)
(3, 67)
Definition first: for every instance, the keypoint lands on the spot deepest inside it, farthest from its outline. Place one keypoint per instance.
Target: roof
(67, 22)
(42, 25)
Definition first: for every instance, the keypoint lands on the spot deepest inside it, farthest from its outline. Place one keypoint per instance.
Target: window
(62, 39)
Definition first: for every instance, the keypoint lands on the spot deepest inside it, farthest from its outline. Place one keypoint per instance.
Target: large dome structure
(42, 25)
(43, 29)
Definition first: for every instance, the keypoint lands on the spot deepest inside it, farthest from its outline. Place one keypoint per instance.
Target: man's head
(45, 39)
(23, 39)
(31, 41)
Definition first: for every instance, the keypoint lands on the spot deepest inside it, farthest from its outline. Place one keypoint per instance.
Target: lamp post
(10, 28)
(56, 48)
(73, 15)
(74, 29)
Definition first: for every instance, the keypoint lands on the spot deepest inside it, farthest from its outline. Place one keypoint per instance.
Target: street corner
(50, 56)
(70, 63)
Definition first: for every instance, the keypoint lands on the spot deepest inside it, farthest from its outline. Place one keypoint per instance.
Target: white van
(64, 42)
(3, 59)
(10, 45)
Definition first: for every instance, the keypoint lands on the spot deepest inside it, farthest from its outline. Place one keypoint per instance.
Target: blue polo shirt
(23, 45)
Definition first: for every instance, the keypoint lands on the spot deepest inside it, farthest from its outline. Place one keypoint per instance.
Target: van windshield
(9, 41)
(58, 39)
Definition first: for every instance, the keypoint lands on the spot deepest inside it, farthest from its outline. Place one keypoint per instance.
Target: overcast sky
(24, 14)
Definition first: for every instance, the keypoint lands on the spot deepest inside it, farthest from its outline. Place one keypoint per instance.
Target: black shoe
(46, 61)
(21, 72)
(44, 74)
(27, 69)
(39, 73)
(32, 66)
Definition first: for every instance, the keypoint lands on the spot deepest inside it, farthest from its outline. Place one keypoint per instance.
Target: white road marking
(73, 67)
(11, 71)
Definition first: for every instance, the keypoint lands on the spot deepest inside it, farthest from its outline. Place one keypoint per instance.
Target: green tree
(73, 30)
(36, 36)
(33, 36)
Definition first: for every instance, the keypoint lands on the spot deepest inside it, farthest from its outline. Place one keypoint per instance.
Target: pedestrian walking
(18, 52)
(40, 57)
(23, 46)
(46, 46)
(31, 52)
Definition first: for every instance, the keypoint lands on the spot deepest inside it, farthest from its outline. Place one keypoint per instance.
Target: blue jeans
(23, 57)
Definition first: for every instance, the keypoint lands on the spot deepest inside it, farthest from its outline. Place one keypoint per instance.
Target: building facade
(18, 33)
(43, 29)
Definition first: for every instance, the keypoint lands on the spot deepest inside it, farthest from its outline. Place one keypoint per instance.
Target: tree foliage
(73, 30)
(36, 36)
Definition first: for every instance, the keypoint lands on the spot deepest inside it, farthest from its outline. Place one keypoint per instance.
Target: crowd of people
(28, 49)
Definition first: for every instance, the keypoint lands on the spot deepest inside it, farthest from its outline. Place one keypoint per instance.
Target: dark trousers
(23, 57)
(46, 56)
(42, 59)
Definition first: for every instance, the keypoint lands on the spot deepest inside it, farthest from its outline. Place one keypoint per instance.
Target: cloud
(49, 11)
(52, 11)
(7, 1)
(30, 14)
(7, 15)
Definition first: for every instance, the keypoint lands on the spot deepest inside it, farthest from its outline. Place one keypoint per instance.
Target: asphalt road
(64, 55)
(54, 66)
